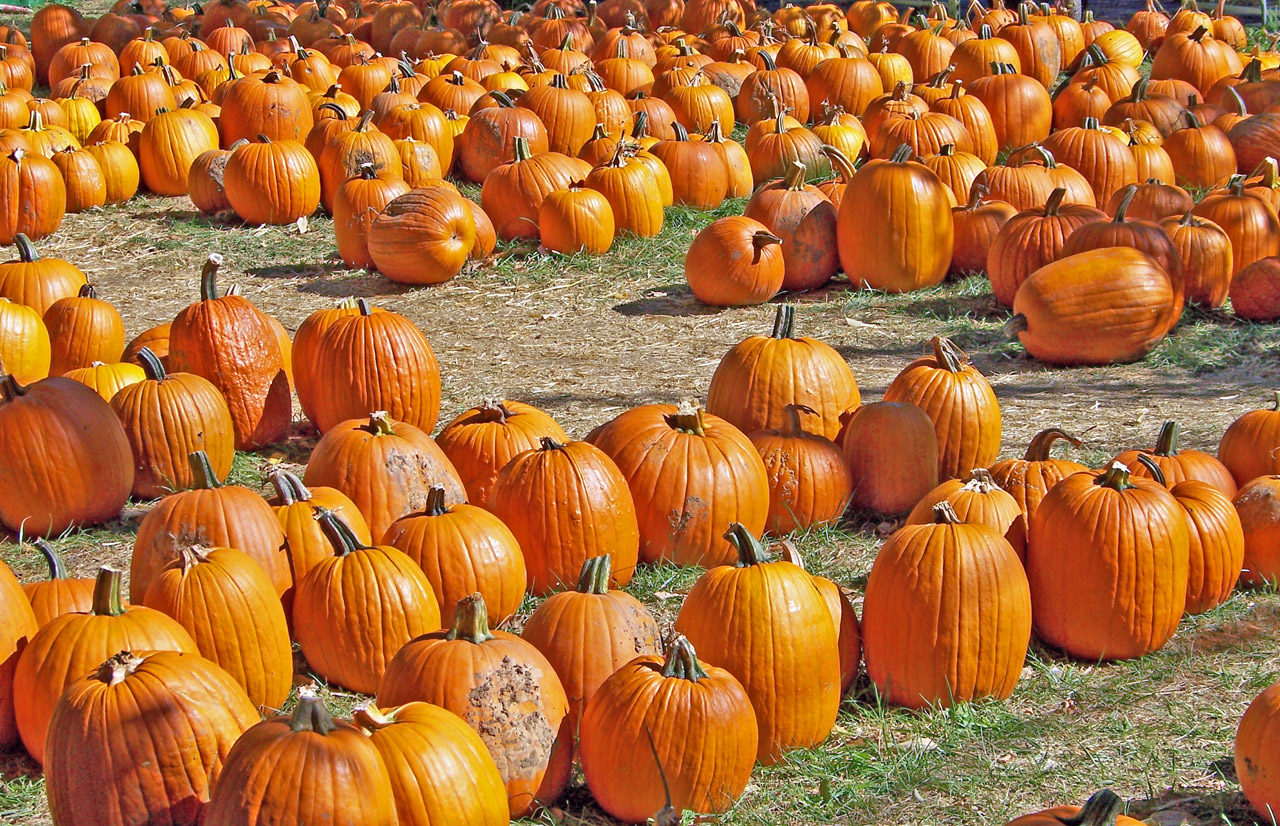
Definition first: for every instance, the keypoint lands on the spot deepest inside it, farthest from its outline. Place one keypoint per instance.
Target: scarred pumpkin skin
(170, 717)
(1091, 533)
(481, 441)
(703, 731)
(67, 649)
(1257, 742)
(263, 778)
(964, 577)
(691, 474)
(503, 688)
(590, 632)
(793, 679)
(229, 341)
(440, 770)
(230, 607)
(809, 483)
(1250, 447)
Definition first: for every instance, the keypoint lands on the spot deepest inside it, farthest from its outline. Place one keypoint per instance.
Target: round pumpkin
(892, 452)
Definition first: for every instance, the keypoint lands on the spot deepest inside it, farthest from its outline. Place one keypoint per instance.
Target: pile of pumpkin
(389, 558)
(579, 123)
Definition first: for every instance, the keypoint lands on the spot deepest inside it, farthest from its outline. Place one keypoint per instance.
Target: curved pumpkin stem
(839, 162)
(1015, 325)
(947, 355)
(289, 487)
(1054, 202)
(793, 426)
(471, 621)
(57, 569)
(689, 418)
(1157, 473)
(794, 179)
(1167, 442)
(1101, 809)
(751, 551)
(944, 513)
(338, 532)
(902, 154)
(9, 387)
(202, 470)
(784, 321)
(1123, 208)
(209, 277)
(1115, 477)
(26, 250)
(594, 578)
(152, 366)
(311, 715)
(106, 593)
(682, 661)
(1042, 443)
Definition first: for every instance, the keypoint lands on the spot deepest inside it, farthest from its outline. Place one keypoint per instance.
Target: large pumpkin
(734, 261)
(892, 452)
(481, 441)
(423, 237)
(1250, 447)
(35, 281)
(765, 622)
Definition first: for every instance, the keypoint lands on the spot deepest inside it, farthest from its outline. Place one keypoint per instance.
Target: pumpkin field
(682, 410)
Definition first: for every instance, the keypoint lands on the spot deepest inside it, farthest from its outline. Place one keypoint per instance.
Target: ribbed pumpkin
(503, 688)
(1030, 240)
(68, 647)
(1255, 748)
(483, 439)
(809, 483)
(210, 514)
(975, 225)
(269, 104)
(1250, 447)
(977, 500)
(1061, 317)
(1028, 479)
(166, 417)
(18, 623)
(1254, 229)
(353, 611)
(272, 182)
(296, 507)
(168, 146)
(83, 329)
(35, 281)
(347, 150)
(632, 191)
(892, 453)
(1107, 558)
(1104, 159)
(576, 219)
(760, 376)
(441, 771)
(793, 679)
(230, 342)
(345, 780)
(65, 458)
(358, 201)
(805, 220)
(107, 379)
(967, 580)
(60, 593)
(33, 197)
(1020, 107)
(229, 605)
(170, 717)
(894, 230)
(368, 360)
(1179, 466)
(689, 737)
(691, 474)
(25, 348)
(1204, 250)
(1256, 504)
(734, 261)
(424, 236)
(959, 400)
(566, 503)
(590, 632)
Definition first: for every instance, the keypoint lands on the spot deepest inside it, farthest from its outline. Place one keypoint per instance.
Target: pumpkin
(170, 717)
(892, 453)
(107, 379)
(894, 231)
(1254, 229)
(1195, 57)
(513, 193)
(1091, 533)
(809, 483)
(1077, 101)
(1254, 140)
(272, 182)
(359, 200)
(975, 226)
(35, 281)
(53, 27)
(230, 342)
(1153, 200)
(1256, 505)
(959, 400)
(590, 632)
(1104, 159)
(296, 507)
(82, 175)
(481, 441)
(18, 623)
(353, 458)
(576, 219)
(805, 221)
(734, 261)
(83, 329)
(1250, 447)
(633, 193)
(1254, 290)
(59, 423)
(1030, 240)
(346, 780)
(772, 81)
(972, 112)
(503, 688)
(168, 146)
(25, 348)
(690, 737)
(977, 500)
(967, 579)
(1166, 114)
(440, 770)
(346, 150)
(59, 594)
(774, 144)
(1204, 250)
(368, 360)
(1255, 749)
(1202, 156)
(33, 196)
(65, 650)
(1179, 466)
(354, 610)
(732, 607)
(1102, 809)
(119, 169)
(956, 170)
(761, 375)
(422, 237)
(717, 478)
(1061, 317)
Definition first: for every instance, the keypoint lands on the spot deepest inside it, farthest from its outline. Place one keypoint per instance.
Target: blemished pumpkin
(960, 402)
(761, 375)
(69, 647)
(717, 478)
(1257, 740)
(481, 441)
(673, 730)
(1092, 532)
(503, 688)
(589, 632)
(230, 607)
(170, 717)
(354, 610)
(966, 578)
(800, 215)
(346, 780)
(731, 608)
(809, 482)
(892, 453)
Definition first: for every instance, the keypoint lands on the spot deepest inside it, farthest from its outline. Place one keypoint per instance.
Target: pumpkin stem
(435, 504)
(380, 424)
(520, 149)
(1275, 401)
(548, 443)
(209, 277)
(1115, 477)
(762, 239)
(682, 661)
(794, 179)
(1157, 473)
(471, 621)
(26, 250)
(792, 426)
(189, 556)
(1167, 442)
(289, 487)
(751, 551)
(338, 532)
(117, 668)
(1054, 203)
(202, 470)
(1015, 325)
(1102, 808)
(311, 715)
(902, 154)
(980, 481)
(152, 366)
(369, 718)
(9, 387)
(945, 514)
(784, 321)
(688, 418)
(57, 569)
(1042, 442)
(594, 578)
(106, 593)
(947, 355)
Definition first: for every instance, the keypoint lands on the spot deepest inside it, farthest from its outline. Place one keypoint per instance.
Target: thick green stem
(26, 250)
(311, 715)
(209, 278)
(57, 570)
(338, 532)
(1167, 442)
(435, 504)
(152, 366)
(682, 661)
(784, 321)
(1101, 810)
(471, 621)
(751, 551)
(106, 593)
(1115, 477)
(594, 578)
(289, 487)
